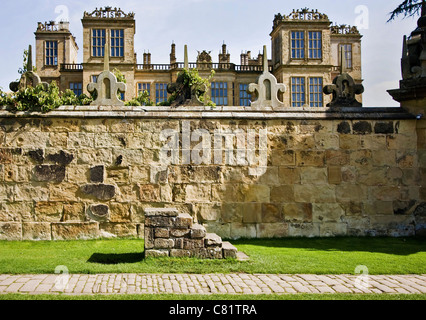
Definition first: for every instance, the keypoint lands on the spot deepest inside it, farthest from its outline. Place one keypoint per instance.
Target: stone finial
(29, 78)
(186, 60)
(107, 86)
(267, 88)
(344, 91)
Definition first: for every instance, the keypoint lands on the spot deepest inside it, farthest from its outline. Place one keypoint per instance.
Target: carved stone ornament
(29, 78)
(107, 86)
(266, 89)
(344, 91)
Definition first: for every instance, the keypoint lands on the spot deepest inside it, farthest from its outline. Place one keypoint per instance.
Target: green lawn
(287, 256)
(227, 297)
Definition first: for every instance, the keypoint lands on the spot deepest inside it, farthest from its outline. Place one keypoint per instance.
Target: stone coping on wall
(221, 112)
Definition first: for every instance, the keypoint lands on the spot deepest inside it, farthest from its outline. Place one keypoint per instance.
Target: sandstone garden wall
(89, 172)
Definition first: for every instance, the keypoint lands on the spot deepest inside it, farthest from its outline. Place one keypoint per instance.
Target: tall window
(315, 45)
(117, 43)
(220, 93)
(245, 98)
(347, 51)
(94, 79)
(98, 42)
(297, 44)
(144, 87)
(315, 92)
(51, 53)
(298, 91)
(160, 92)
(77, 88)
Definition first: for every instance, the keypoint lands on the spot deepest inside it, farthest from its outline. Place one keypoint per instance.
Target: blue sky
(205, 24)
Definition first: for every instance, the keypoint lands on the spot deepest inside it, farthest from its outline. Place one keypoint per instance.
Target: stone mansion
(307, 50)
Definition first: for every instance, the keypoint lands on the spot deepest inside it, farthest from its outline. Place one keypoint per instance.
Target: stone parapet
(284, 174)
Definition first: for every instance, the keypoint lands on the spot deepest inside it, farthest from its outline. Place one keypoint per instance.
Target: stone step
(212, 240)
(229, 251)
(198, 231)
(161, 212)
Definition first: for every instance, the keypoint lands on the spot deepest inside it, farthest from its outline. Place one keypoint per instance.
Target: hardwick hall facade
(306, 55)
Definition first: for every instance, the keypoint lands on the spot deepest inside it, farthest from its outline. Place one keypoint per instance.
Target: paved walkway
(209, 284)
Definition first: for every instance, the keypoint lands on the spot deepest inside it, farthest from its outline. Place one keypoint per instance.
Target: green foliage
(141, 100)
(199, 86)
(41, 100)
(24, 68)
(408, 8)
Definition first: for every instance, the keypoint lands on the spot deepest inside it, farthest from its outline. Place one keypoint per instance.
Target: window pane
(117, 43)
(298, 91)
(315, 90)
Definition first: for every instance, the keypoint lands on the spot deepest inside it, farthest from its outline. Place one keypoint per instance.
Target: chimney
(173, 54)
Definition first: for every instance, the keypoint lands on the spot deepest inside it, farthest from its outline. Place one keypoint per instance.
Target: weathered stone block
(97, 174)
(198, 193)
(118, 175)
(297, 212)
(75, 231)
(252, 213)
(161, 212)
(344, 127)
(120, 230)
(36, 231)
(271, 213)
(198, 231)
(313, 175)
(61, 158)
(149, 193)
(362, 127)
(180, 253)
(98, 212)
(229, 251)
(163, 222)
(212, 240)
(161, 233)
(99, 191)
(184, 220)
(272, 230)
(327, 212)
(49, 173)
(207, 211)
(191, 244)
(179, 233)
(156, 253)
(331, 229)
(334, 175)
(310, 158)
(308, 230)
(48, 211)
(163, 243)
(257, 193)
(337, 157)
(315, 193)
(11, 231)
(149, 237)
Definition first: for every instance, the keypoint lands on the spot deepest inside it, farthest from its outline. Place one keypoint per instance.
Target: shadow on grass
(386, 245)
(116, 258)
